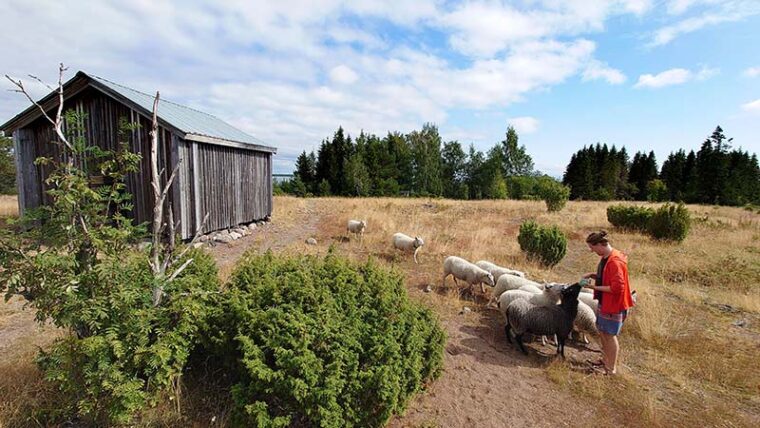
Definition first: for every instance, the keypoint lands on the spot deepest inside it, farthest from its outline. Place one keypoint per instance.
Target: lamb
(407, 243)
(524, 317)
(496, 270)
(510, 282)
(460, 268)
(357, 227)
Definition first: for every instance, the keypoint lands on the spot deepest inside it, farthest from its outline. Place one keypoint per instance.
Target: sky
(647, 74)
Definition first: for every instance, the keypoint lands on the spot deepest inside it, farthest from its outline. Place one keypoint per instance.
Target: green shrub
(630, 217)
(322, 342)
(554, 193)
(128, 351)
(670, 223)
(545, 244)
(657, 191)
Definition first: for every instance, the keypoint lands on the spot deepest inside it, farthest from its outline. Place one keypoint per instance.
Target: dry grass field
(689, 348)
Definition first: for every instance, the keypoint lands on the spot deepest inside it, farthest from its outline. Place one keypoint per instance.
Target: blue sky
(648, 74)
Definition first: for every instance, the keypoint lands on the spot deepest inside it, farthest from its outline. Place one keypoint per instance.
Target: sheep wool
(356, 226)
(588, 299)
(525, 317)
(532, 288)
(510, 282)
(585, 321)
(496, 270)
(460, 268)
(407, 243)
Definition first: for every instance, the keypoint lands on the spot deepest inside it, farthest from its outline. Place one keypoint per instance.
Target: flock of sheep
(546, 310)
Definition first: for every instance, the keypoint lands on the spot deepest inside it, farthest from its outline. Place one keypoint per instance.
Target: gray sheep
(524, 317)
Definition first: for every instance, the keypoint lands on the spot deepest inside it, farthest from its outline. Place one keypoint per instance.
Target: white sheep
(588, 299)
(407, 243)
(496, 270)
(532, 288)
(460, 268)
(585, 321)
(510, 282)
(357, 227)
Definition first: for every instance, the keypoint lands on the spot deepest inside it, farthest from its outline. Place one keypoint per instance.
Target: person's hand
(591, 275)
(585, 283)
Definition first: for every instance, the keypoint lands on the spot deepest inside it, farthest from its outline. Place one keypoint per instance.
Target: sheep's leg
(519, 338)
(415, 256)
(561, 347)
(443, 283)
(482, 289)
(506, 332)
(543, 340)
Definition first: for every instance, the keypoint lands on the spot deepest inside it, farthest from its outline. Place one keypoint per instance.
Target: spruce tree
(453, 165)
(515, 158)
(306, 170)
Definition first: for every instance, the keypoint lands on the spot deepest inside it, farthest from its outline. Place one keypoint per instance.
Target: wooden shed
(223, 171)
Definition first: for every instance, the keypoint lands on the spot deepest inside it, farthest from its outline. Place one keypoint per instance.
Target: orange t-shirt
(615, 276)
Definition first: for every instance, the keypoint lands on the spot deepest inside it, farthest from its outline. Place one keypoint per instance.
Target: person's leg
(614, 348)
(603, 342)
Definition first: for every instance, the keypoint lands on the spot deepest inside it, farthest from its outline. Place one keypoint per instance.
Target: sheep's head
(554, 289)
(570, 292)
(489, 279)
(418, 242)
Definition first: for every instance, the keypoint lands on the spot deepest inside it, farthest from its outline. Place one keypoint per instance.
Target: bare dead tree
(164, 257)
(58, 121)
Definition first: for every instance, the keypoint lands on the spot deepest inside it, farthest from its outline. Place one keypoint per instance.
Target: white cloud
(485, 28)
(705, 73)
(343, 74)
(752, 72)
(721, 12)
(752, 106)
(596, 70)
(674, 76)
(291, 71)
(524, 124)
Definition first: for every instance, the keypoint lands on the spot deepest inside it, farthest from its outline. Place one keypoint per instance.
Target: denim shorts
(610, 323)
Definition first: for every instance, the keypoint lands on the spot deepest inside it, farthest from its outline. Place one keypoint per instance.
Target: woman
(613, 291)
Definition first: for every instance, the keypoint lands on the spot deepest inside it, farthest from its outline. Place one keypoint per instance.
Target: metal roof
(194, 123)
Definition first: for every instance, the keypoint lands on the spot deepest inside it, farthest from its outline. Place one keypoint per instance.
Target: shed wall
(100, 127)
(232, 186)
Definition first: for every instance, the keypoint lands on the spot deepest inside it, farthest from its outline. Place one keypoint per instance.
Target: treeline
(418, 164)
(716, 174)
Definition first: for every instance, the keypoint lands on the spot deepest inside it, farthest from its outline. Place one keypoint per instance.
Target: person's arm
(616, 274)
(591, 275)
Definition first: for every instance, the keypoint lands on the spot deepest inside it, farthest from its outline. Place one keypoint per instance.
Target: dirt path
(274, 236)
(485, 382)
